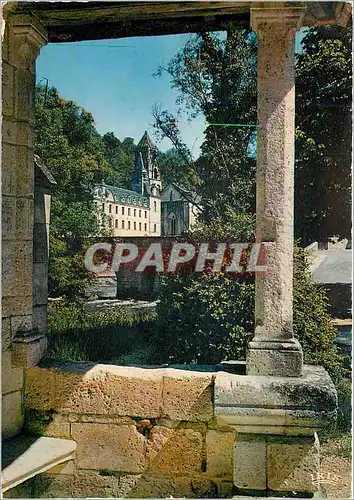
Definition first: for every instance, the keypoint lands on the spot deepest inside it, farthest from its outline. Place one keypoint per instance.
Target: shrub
(104, 336)
(207, 318)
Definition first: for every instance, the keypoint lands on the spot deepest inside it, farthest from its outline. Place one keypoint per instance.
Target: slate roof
(125, 196)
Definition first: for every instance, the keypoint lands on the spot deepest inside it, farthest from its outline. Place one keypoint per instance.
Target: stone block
(39, 318)
(187, 395)
(24, 218)
(83, 484)
(250, 462)
(176, 451)
(6, 336)
(25, 83)
(8, 171)
(40, 283)
(28, 354)
(7, 89)
(11, 379)
(24, 171)
(49, 429)
(109, 446)
(20, 305)
(293, 464)
(220, 453)
(40, 243)
(17, 268)
(21, 323)
(153, 486)
(12, 417)
(8, 217)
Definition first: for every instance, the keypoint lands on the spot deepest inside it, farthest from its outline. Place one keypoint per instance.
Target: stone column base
(279, 359)
(276, 418)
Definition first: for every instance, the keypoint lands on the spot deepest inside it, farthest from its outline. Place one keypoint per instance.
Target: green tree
(120, 157)
(216, 77)
(323, 136)
(68, 144)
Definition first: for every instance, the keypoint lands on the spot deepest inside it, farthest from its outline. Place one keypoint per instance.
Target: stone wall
(140, 432)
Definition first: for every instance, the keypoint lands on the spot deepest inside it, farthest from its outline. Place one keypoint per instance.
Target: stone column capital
(27, 36)
(289, 18)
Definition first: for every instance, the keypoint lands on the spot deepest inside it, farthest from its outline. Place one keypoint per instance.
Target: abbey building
(147, 209)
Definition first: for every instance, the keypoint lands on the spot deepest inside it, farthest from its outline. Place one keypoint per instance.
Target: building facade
(179, 210)
(135, 212)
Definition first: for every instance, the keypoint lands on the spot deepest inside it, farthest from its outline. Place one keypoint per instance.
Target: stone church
(147, 209)
(135, 212)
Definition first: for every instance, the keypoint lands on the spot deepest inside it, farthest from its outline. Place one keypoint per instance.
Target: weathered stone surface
(266, 402)
(151, 486)
(40, 283)
(5, 334)
(250, 469)
(96, 389)
(275, 190)
(293, 464)
(187, 395)
(176, 451)
(8, 171)
(220, 453)
(24, 218)
(39, 318)
(7, 89)
(103, 419)
(11, 414)
(19, 305)
(17, 273)
(109, 446)
(11, 379)
(83, 484)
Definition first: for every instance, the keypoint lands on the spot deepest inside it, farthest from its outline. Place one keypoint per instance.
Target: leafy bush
(210, 317)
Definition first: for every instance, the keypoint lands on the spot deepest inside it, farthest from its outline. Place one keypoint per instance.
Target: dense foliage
(324, 132)
(77, 156)
(216, 77)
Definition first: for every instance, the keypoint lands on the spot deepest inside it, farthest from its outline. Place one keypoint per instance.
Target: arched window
(156, 173)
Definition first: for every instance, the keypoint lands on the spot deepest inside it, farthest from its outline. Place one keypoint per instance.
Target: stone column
(273, 350)
(23, 36)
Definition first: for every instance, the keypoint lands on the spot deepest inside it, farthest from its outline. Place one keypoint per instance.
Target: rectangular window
(122, 224)
(139, 213)
(122, 210)
(139, 226)
(116, 209)
(134, 225)
(146, 214)
(154, 228)
(128, 224)
(145, 226)
(155, 206)
(102, 207)
(110, 208)
(116, 224)
(128, 211)
(110, 222)
(134, 212)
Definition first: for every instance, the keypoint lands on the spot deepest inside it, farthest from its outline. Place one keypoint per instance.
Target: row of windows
(123, 210)
(129, 225)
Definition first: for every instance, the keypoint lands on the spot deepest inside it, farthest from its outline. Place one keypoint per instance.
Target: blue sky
(113, 79)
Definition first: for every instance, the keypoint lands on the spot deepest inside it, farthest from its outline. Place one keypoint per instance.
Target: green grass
(106, 336)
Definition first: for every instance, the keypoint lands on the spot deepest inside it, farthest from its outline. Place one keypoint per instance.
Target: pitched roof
(125, 196)
(146, 141)
(42, 174)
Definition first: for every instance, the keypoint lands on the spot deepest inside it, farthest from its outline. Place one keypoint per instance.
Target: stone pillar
(273, 350)
(23, 36)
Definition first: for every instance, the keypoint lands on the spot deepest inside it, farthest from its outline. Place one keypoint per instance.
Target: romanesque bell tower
(147, 179)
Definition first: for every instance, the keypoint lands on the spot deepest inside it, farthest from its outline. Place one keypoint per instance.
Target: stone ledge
(276, 405)
(24, 457)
